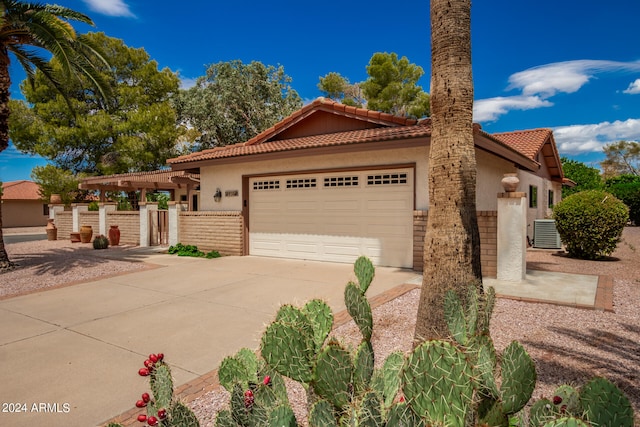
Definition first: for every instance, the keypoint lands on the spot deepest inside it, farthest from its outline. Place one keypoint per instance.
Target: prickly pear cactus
(518, 378)
(322, 414)
(438, 383)
(290, 349)
(566, 422)
(333, 373)
(364, 270)
(605, 405)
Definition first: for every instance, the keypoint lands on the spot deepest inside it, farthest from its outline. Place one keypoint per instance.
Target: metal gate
(159, 227)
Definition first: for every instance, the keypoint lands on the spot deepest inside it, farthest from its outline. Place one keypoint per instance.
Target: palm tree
(452, 241)
(27, 31)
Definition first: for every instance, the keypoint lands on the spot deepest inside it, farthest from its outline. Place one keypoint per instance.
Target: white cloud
(567, 77)
(577, 139)
(110, 7)
(488, 110)
(634, 88)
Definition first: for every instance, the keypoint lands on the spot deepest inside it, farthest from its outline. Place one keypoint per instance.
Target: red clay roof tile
(20, 190)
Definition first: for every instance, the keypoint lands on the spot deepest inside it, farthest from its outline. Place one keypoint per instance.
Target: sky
(572, 66)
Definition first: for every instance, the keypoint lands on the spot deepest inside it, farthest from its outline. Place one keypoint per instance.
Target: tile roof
(20, 190)
(423, 129)
(528, 142)
(535, 142)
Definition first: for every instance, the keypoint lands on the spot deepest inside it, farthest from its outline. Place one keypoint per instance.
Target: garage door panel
(336, 223)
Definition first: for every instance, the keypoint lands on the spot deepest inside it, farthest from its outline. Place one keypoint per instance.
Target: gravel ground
(568, 345)
(44, 264)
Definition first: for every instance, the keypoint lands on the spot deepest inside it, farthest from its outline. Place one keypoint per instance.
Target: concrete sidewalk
(70, 356)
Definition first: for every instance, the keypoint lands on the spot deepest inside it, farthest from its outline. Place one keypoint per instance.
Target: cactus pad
(369, 413)
(363, 268)
(605, 405)
(541, 412)
(518, 378)
(322, 415)
(333, 375)
(225, 419)
(289, 349)
(566, 422)
(182, 416)
(455, 318)
(282, 416)
(233, 370)
(321, 319)
(359, 309)
(438, 384)
(363, 362)
(387, 379)
(161, 386)
(401, 415)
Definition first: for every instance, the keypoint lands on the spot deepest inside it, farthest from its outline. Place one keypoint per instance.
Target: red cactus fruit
(563, 409)
(162, 414)
(153, 358)
(160, 356)
(143, 372)
(248, 399)
(267, 380)
(401, 399)
(142, 418)
(141, 404)
(145, 397)
(152, 421)
(557, 400)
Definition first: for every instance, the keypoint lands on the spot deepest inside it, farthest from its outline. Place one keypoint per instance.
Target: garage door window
(341, 181)
(266, 185)
(387, 179)
(301, 183)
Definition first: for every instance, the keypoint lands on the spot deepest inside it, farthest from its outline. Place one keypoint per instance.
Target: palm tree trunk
(452, 241)
(5, 85)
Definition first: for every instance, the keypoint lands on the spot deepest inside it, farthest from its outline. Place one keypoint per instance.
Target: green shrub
(629, 193)
(192, 250)
(590, 223)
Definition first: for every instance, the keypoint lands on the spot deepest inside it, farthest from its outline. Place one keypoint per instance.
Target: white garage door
(334, 216)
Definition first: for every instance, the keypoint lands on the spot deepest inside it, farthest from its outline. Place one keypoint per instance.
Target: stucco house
(22, 205)
(332, 182)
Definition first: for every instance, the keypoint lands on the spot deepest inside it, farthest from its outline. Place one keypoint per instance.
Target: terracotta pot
(86, 232)
(114, 235)
(55, 199)
(52, 230)
(510, 182)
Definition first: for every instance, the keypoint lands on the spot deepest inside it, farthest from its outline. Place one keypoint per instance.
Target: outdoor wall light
(218, 196)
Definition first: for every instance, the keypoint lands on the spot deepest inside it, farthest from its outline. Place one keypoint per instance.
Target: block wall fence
(488, 227)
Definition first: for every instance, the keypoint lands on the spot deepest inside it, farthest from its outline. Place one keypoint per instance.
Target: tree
(136, 131)
(338, 88)
(45, 28)
(452, 241)
(53, 180)
(234, 102)
(585, 177)
(623, 157)
(392, 86)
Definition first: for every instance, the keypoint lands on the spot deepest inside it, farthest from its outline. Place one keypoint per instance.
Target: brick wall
(90, 218)
(128, 223)
(64, 223)
(488, 227)
(207, 230)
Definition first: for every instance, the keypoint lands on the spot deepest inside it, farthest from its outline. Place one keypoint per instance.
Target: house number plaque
(231, 193)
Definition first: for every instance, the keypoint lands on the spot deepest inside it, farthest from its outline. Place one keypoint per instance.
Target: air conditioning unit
(545, 235)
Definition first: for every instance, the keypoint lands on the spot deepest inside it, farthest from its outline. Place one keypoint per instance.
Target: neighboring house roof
(153, 180)
(20, 190)
(535, 143)
(325, 124)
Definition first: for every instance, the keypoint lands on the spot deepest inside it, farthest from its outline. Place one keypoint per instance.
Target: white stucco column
(512, 236)
(147, 222)
(103, 208)
(55, 209)
(75, 215)
(174, 214)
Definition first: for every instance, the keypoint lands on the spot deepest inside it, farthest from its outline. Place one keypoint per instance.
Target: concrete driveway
(70, 356)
